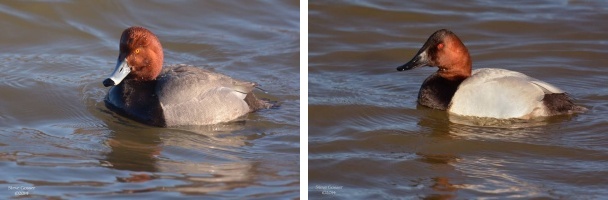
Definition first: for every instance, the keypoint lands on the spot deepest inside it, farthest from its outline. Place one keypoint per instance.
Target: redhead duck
(176, 95)
(486, 92)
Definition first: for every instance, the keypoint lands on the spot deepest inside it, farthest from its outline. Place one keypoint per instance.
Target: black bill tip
(108, 82)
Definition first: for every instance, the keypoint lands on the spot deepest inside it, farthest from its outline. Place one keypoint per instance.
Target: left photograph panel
(143, 99)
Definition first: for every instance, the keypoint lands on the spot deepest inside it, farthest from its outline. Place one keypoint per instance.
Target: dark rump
(561, 103)
(258, 104)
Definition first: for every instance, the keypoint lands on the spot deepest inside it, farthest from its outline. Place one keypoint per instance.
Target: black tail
(561, 103)
(258, 104)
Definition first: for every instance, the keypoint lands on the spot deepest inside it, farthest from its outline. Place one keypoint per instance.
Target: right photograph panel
(453, 100)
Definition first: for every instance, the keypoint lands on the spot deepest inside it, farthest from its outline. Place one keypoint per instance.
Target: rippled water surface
(368, 138)
(58, 140)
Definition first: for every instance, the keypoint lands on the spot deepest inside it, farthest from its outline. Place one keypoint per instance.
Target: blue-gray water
(58, 140)
(369, 140)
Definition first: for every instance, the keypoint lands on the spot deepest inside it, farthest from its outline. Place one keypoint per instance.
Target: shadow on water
(133, 150)
(455, 141)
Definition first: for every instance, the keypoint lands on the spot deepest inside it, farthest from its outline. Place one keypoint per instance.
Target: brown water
(58, 140)
(369, 140)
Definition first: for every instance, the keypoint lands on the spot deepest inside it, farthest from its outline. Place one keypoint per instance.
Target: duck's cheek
(135, 61)
(146, 62)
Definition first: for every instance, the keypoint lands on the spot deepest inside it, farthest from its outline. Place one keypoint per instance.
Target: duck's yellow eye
(136, 50)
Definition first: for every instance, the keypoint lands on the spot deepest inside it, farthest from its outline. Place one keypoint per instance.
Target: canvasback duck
(176, 95)
(486, 92)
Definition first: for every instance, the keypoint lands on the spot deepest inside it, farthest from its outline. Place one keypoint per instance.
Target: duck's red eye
(440, 46)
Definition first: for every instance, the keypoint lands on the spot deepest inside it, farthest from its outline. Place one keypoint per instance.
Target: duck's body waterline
(486, 92)
(175, 95)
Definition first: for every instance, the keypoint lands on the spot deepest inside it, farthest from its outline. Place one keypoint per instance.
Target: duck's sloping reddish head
(444, 50)
(140, 57)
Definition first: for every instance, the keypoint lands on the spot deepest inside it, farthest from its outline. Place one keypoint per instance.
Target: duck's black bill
(108, 82)
(416, 62)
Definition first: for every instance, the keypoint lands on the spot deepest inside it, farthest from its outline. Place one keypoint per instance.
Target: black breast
(437, 92)
(136, 100)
